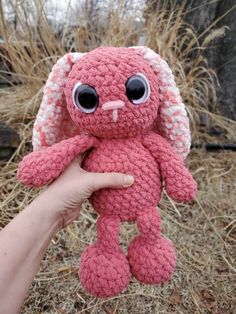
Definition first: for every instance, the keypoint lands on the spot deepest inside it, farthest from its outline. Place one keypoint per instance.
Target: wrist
(46, 211)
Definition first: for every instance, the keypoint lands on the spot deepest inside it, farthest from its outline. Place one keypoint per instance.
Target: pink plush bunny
(121, 104)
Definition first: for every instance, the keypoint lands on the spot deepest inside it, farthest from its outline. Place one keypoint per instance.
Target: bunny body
(130, 92)
(131, 157)
(151, 258)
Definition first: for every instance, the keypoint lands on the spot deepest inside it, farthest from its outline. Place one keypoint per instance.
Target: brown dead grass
(204, 232)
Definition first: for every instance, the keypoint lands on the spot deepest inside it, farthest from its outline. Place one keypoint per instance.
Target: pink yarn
(125, 144)
(42, 167)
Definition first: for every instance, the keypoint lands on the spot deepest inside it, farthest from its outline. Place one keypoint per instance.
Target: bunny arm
(42, 167)
(179, 183)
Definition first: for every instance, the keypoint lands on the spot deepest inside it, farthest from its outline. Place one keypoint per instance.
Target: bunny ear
(172, 121)
(53, 122)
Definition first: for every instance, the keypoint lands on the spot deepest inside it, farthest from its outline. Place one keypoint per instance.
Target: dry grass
(204, 233)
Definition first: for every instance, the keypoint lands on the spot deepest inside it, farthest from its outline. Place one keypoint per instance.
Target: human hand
(35, 226)
(63, 198)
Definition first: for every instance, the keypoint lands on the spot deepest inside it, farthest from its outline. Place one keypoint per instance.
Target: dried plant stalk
(203, 233)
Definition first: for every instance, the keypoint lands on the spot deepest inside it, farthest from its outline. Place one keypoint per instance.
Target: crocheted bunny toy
(121, 104)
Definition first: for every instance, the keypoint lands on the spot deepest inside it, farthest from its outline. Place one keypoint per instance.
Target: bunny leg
(152, 257)
(104, 269)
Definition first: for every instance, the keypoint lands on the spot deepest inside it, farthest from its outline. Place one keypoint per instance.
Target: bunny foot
(104, 273)
(152, 262)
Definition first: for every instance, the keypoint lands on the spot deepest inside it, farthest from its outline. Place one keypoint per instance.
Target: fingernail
(128, 180)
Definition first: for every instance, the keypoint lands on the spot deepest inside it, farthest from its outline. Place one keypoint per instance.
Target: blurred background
(197, 38)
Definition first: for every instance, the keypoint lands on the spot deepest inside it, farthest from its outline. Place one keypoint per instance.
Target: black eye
(137, 89)
(85, 97)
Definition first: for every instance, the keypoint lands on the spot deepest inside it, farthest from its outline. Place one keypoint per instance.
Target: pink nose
(111, 105)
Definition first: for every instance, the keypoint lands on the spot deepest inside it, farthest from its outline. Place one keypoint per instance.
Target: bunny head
(112, 93)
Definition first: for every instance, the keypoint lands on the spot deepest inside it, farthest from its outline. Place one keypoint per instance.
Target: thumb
(110, 180)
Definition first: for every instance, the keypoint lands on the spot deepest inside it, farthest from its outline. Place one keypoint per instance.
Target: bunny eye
(85, 97)
(137, 89)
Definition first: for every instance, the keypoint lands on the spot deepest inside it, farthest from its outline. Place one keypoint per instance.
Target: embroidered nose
(112, 105)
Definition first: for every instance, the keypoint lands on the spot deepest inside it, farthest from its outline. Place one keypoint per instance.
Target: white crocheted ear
(53, 122)
(172, 121)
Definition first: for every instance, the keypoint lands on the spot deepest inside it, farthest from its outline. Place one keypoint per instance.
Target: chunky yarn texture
(148, 140)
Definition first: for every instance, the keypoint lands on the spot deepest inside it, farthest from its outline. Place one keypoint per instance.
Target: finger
(75, 164)
(73, 169)
(109, 180)
(77, 160)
